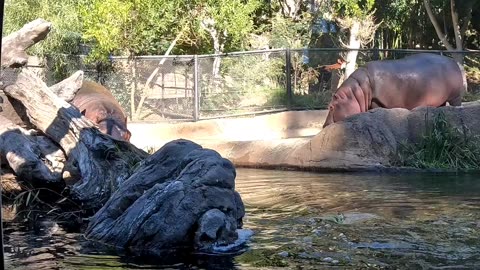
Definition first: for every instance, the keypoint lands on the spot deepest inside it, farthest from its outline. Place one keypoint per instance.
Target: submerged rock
(183, 195)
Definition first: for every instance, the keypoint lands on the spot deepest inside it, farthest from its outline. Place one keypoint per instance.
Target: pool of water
(303, 220)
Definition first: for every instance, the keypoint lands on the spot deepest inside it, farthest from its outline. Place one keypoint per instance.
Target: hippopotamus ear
(330, 107)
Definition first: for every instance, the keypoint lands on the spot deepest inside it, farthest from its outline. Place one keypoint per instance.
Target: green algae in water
(261, 258)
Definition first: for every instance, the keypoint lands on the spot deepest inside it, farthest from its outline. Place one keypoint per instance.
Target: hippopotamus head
(110, 123)
(340, 108)
(115, 129)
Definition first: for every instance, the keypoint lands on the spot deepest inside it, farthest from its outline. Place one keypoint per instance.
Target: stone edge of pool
(294, 140)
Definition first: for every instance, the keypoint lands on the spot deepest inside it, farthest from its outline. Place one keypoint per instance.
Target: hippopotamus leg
(455, 101)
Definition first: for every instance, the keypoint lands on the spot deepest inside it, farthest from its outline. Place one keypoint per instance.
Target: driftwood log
(182, 195)
(35, 159)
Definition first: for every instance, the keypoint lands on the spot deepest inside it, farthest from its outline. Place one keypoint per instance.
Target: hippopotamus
(423, 79)
(97, 103)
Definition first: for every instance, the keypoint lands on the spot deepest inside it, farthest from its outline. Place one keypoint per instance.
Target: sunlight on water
(312, 220)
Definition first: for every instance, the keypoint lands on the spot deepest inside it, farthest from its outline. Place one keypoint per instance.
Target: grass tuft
(442, 147)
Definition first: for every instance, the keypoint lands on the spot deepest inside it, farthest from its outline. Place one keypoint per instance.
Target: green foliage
(287, 33)
(131, 27)
(442, 146)
(353, 8)
(135, 27)
(63, 40)
(65, 35)
(105, 22)
(232, 17)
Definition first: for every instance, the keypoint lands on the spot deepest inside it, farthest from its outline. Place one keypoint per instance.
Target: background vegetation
(99, 29)
(148, 27)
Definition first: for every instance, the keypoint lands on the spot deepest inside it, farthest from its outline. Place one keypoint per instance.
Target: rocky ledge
(364, 142)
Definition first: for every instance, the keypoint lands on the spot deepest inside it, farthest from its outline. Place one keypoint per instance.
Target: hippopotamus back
(98, 104)
(418, 80)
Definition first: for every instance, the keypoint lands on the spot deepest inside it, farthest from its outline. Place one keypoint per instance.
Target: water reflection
(303, 219)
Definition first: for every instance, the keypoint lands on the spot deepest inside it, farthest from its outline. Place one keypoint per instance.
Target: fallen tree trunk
(103, 162)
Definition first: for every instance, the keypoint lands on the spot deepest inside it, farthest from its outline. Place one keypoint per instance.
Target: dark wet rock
(215, 228)
(183, 195)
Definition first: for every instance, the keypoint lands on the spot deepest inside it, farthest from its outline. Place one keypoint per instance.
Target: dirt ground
(283, 125)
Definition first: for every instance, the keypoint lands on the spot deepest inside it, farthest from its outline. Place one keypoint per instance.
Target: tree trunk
(459, 30)
(353, 46)
(218, 45)
(442, 36)
(104, 163)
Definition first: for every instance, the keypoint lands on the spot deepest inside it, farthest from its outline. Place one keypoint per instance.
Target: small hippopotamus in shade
(418, 80)
(98, 104)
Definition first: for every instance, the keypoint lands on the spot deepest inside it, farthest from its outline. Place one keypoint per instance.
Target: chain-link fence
(176, 88)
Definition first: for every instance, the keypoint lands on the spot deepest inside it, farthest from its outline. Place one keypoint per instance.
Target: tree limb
(25, 157)
(15, 44)
(434, 21)
(466, 20)
(67, 88)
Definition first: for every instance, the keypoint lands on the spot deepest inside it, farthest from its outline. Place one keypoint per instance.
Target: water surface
(306, 220)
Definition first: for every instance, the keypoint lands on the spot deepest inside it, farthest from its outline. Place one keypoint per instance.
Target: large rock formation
(180, 194)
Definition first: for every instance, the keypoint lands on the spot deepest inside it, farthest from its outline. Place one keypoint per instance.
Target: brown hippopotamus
(98, 104)
(418, 80)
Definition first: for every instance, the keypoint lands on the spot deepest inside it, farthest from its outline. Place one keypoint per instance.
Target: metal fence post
(196, 96)
(288, 81)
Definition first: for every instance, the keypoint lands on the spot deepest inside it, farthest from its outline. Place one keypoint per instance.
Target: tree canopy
(148, 27)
